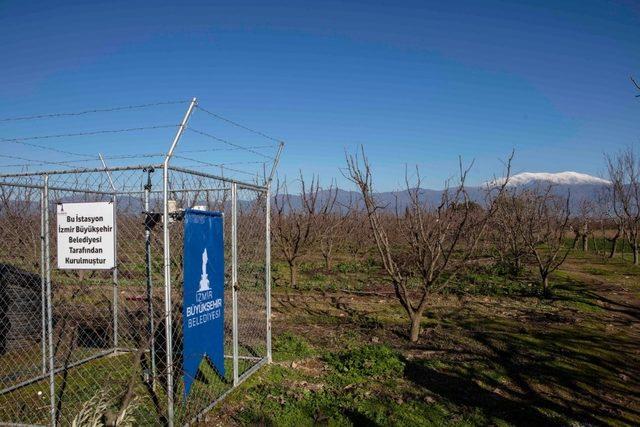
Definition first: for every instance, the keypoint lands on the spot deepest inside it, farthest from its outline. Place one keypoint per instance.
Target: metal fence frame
(41, 182)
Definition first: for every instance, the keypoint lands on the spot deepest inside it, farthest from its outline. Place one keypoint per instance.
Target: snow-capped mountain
(578, 186)
(560, 178)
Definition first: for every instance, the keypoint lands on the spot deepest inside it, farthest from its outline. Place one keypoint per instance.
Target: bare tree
(613, 240)
(295, 226)
(544, 219)
(624, 174)
(329, 223)
(581, 225)
(424, 246)
(609, 220)
(356, 229)
(507, 234)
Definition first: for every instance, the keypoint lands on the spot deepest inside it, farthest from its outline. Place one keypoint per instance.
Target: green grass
(30, 404)
(494, 351)
(288, 346)
(493, 281)
(366, 363)
(359, 386)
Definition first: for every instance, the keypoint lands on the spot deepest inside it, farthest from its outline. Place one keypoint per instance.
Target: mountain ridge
(580, 186)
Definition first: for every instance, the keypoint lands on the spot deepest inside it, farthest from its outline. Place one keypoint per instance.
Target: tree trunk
(414, 332)
(614, 243)
(635, 253)
(327, 261)
(545, 285)
(293, 274)
(585, 243)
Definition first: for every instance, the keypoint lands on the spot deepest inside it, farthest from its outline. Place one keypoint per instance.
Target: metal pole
(43, 284)
(275, 164)
(167, 261)
(47, 229)
(167, 293)
(147, 236)
(234, 278)
(181, 128)
(115, 255)
(267, 256)
(267, 273)
(116, 301)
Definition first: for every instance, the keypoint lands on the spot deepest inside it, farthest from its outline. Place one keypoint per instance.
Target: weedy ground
(492, 351)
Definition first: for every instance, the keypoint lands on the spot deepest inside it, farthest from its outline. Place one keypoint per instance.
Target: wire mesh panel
(101, 318)
(252, 318)
(22, 327)
(191, 191)
(76, 344)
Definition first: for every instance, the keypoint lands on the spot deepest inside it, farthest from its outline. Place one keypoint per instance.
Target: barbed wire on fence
(91, 111)
(219, 117)
(87, 133)
(232, 144)
(231, 151)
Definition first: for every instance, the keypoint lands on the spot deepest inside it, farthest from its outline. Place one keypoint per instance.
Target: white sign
(86, 236)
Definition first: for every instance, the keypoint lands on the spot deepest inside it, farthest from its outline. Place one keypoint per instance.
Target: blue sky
(414, 82)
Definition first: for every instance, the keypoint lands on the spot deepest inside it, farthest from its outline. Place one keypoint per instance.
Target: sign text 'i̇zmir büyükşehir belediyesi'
(86, 235)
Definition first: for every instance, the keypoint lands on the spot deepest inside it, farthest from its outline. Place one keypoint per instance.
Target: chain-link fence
(76, 344)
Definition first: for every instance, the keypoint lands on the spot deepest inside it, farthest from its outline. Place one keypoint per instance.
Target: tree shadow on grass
(343, 313)
(573, 291)
(359, 419)
(465, 392)
(532, 367)
(579, 373)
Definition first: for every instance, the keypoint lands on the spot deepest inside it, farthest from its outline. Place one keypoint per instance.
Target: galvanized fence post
(234, 278)
(167, 295)
(47, 257)
(167, 261)
(115, 275)
(115, 256)
(267, 255)
(267, 272)
(43, 284)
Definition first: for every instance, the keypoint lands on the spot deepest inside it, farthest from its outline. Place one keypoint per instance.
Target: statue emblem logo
(204, 279)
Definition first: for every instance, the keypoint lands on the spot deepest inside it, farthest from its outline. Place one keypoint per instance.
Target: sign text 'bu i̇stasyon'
(85, 234)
